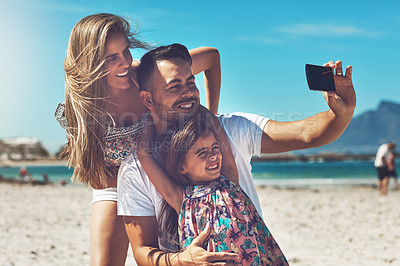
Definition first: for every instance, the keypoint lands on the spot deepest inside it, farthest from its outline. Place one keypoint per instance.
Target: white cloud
(305, 29)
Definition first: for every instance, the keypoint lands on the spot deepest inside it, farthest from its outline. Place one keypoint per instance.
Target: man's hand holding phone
(336, 85)
(320, 78)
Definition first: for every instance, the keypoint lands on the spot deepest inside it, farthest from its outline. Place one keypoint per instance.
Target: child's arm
(169, 190)
(229, 169)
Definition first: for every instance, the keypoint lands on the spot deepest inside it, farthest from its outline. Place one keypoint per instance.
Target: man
(391, 164)
(381, 164)
(168, 90)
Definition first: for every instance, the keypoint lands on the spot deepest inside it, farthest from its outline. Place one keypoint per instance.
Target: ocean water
(290, 173)
(316, 173)
(55, 173)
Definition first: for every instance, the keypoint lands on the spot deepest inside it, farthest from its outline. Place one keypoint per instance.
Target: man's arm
(317, 130)
(207, 59)
(142, 233)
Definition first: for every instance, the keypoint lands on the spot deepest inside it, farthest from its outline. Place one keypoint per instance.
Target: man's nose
(188, 91)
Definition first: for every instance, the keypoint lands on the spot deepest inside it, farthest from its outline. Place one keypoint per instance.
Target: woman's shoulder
(123, 131)
(59, 114)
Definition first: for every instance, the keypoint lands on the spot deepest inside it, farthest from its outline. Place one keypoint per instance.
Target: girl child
(201, 197)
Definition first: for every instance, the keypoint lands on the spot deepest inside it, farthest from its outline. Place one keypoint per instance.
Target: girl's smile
(203, 160)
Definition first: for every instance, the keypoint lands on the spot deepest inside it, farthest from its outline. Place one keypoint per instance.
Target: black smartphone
(320, 78)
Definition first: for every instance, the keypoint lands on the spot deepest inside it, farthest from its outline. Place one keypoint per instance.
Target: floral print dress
(235, 223)
(118, 141)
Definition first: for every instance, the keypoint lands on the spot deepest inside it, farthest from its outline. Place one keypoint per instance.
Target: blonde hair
(86, 93)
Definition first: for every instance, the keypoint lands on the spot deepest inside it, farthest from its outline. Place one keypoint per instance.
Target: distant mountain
(367, 131)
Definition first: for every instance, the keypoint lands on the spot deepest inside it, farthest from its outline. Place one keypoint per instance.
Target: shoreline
(259, 183)
(322, 157)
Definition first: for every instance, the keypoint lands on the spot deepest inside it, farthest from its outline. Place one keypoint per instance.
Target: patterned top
(235, 223)
(118, 141)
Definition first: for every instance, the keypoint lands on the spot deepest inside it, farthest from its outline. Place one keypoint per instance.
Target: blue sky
(264, 46)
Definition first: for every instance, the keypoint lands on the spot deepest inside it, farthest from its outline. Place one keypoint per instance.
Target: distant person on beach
(104, 116)
(45, 179)
(24, 175)
(196, 192)
(391, 164)
(168, 90)
(382, 166)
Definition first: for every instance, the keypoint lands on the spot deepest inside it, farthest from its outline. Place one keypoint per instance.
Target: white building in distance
(22, 148)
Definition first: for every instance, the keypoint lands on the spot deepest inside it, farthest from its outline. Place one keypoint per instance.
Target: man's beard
(173, 115)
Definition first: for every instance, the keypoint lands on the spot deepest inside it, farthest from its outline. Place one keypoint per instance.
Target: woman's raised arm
(207, 60)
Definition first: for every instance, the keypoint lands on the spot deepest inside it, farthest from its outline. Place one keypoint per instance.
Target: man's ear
(147, 99)
(183, 171)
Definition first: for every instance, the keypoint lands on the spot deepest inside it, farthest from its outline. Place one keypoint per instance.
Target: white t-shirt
(137, 196)
(381, 156)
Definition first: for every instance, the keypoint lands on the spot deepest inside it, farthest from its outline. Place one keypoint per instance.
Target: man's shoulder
(129, 162)
(233, 115)
(130, 168)
(137, 196)
(383, 148)
(132, 173)
(236, 116)
(240, 120)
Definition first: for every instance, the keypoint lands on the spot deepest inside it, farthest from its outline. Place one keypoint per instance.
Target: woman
(104, 118)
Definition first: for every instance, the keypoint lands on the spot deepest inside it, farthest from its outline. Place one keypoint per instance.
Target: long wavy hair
(86, 93)
(174, 144)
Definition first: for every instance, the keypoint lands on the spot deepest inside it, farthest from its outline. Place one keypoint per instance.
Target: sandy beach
(49, 225)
